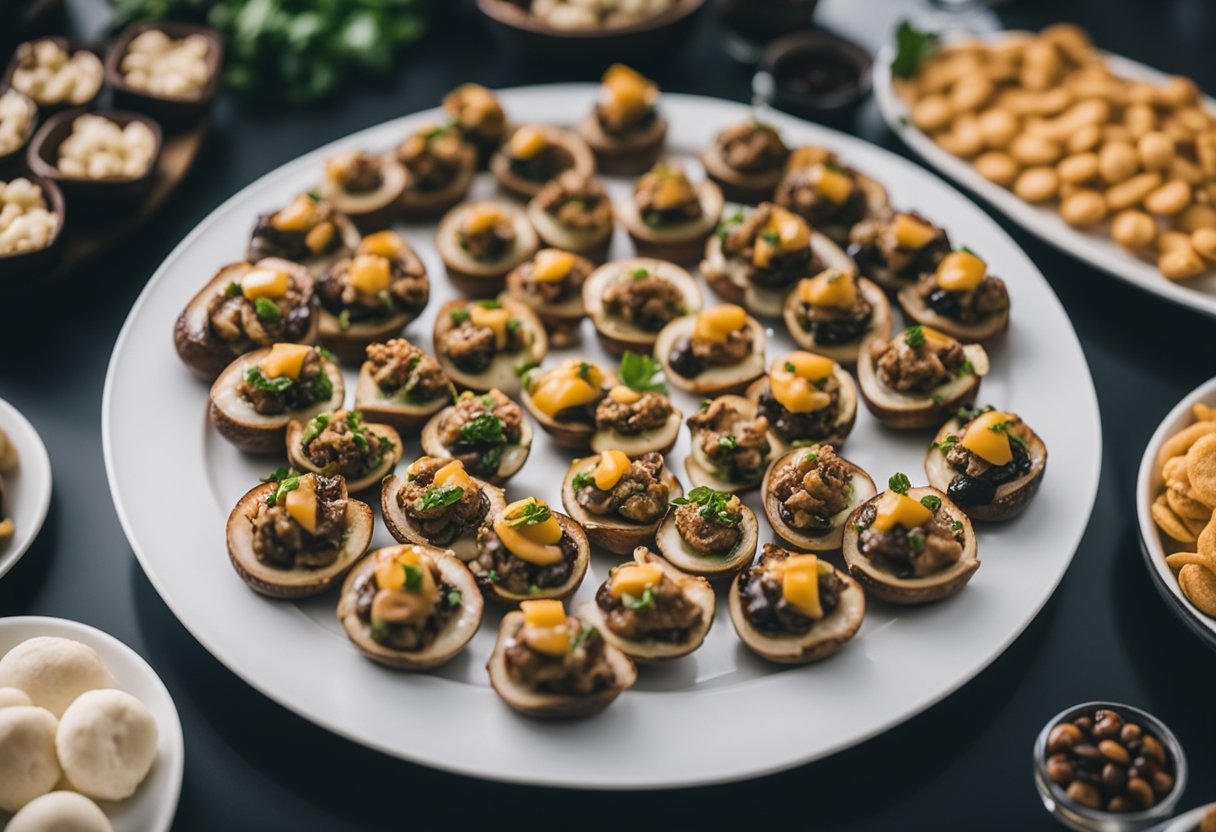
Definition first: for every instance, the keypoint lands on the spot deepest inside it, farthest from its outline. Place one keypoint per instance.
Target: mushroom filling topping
(486, 234)
(643, 299)
(907, 245)
(640, 603)
(989, 449)
(628, 102)
(478, 429)
(556, 653)
(480, 331)
(553, 276)
(434, 157)
(406, 373)
(831, 309)
(736, 446)
(919, 360)
(576, 202)
(404, 600)
(721, 337)
(773, 246)
(752, 147)
(570, 392)
(802, 397)
(812, 488)
(617, 486)
(290, 377)
(906, 537)
(477, 113)
(709, 520)
(665, 196)
(339, 443)
(306, 228)
(373, 287)
(531, 155)
(625, 410)
(265, 305)
(961, 289)
(787, 594)
(823, 193)
(355, 172)
(300, 523)
(525, 550)
(441, 499)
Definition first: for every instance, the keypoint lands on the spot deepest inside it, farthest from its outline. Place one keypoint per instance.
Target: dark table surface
(964, 764)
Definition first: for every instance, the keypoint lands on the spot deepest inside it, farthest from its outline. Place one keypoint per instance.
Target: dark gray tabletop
(964, 764)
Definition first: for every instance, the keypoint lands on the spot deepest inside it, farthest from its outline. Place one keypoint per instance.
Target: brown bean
(1178, 92)
(963, 139)
(1131, 192)
(1204, 242)
(1156, 150)
(1063, 737)
(1037, 184)
(1163, 783)
(1181, 263)
(1169, 199)
(1140, 119)
(1079, 167)
(1205, 149)
(1130, 732)
(1141, 792)
(998, 127)
(1196, 216)
(932, 113)
(1186, 170)
(1195, 119)
(1119, 804)
(1172, 240)
(1114, 752)
(998, 167)
(1141, 92)
(1117, 161)
(1152, 748)
(1060, 769)
(1085, 207)
(1087, 751)
(1084, 794)
(970, 92)
(1085, 139)
(1107, 723)
(1133, 229)
(1035, 150)
(1117, 133)
(1085, 723)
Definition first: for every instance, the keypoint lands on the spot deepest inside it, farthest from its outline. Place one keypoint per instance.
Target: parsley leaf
(344, 320)
(911, 47)
(255, 379)
(899, 483)
(931, 502)
(454, 598)
(438, 496)
(533, 513)
(586, 634)
(639, 372)
(916, 542)
(581, 480)
(714, 505)
(279, 474)
(281, 489)
(584, 371)
(489, 304)
(811, 457)
(413, 577)
(637, 604)
(492, 576)
(771, 237)
(459, 315)
(946, 444)
(790, 368)
(639, 274)
(484, 429)
(727, 225)
(914, 336)
(267, 310)
(956, 526)
(316, 424)
(728, 442)
(233, 289)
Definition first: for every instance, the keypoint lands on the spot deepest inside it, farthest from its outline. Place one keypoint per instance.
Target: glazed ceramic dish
(902, 662)
(27, 490)
(154, 803)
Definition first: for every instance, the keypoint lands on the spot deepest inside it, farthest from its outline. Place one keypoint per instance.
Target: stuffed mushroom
(806, 398)
(959, 298)
(527, 550)
(308, 230)
(537, 153)
(731, 444)
(551, 284)
(747, 159)
(834, 312)
(619, 501)
(625, 130)
(342, 443)
(365, 188)
(808, 495)
(829, 195)
(630, 301)
(487, 432)
(708, 532)
(895, 248)
(479, 116)
(718, 350)
(487, 344)
(668, 217)
(401, 385)
(440, 164)
(437, 503)
(480, 242)
(574, 213)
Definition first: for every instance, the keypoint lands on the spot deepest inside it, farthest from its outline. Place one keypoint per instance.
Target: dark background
(964, 764)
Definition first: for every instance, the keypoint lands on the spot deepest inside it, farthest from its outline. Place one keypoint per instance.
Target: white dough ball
(14, 696)
(53, 671)
(107, 743)
(28, 766)
(60, 812)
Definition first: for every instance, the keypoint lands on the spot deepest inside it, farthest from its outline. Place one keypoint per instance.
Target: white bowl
(27, 491)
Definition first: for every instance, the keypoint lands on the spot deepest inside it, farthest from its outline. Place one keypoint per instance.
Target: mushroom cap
(418, 204)
(404, 416)
(684, 557)
(713, 380)
(588, 242)
(300, 461)
(374, 208)
(404, 530)
(478, 276)
(618, 335)
(845, 353)
(910, 412)
(513, 457)
(738, 185)
(632, 152)
(502, 372)
(614, 533)
(583, 160)
(1011, 497)
(701, 470)
(577, 571)
(918, 311)
(845, 419)
(831, 538)
(695, 231)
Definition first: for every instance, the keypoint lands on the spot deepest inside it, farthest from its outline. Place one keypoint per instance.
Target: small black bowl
(71, 46)
(12, 160)
(169, 110)
(817, 71)
(21, 267)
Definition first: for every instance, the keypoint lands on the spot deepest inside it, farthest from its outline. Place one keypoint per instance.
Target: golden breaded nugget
(1180, 559)
(1203, 412)
(1198, 584)
(1182, 441)
(1187, 508)
(1201, 468)
(1197, 526)
(1174, 469)
(1171, 524)
(1205, 544)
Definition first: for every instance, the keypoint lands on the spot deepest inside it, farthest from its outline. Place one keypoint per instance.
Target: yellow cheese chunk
(494, 320)
(551, 265)
(830, 288)
(301, 503)
(989, 445)
(384, 243)
(320, 236)
(960, 271)
(899, 510)
(543, 612)
(454, 474)
(911, 232)
(371, 274)
(527, 143)
(564, 387)
(535, 543)
(785, 231)
(717, 323)
(284, 360)
(807, 156)
(545, 627)
(627, 91)
(481, 217)
(299, 214)
(800, 584)
(407, 589)
(634, 578)
(792, 381)
(265, 283)
(390, 567)
(624, 395)
(673, 190)
(612, 466)
(833, 185)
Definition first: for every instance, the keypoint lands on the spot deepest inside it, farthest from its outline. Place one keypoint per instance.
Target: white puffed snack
(26, 224)
(167, 67)
(98, 148)
(106, 743)
(10, 697)
(53, 671)
(60, 812)
(15, 115)
(49, 75)
(28, 766)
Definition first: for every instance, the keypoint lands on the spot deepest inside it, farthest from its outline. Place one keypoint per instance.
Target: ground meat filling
(233, 318)
(310, 387)
(556, 291)
(752, 147)
(917, 370)
(640, 495)
(478, 428)
(472, 348)
(644, 300)
(812, 488)
(706, 535)
(976, 480)
(584, 669)
(341, 444)
(664, 196)
(831, 325)
(648, 413)
(408, 291)
(489, 244)
(542, 166)
(433, 158)
(517, 575)
(791, 426)
(478, 115)
(357, 173)
(798, 192)
(281, 542)
(403, 371)
(692, 356)
(785, 267)
(736, 445)
(407, 637)
(873, 246)
(319, 238)
(669, 618)
(911, 553)
(764, 601)
(440, 524)
(577, 202)
(620, 122)
(989, 298)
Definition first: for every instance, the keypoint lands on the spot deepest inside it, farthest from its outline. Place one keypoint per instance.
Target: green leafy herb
(255, 379)
(513, 324)
(936, 398)
(965, 369)
(969, 251)
(914, 336)
(454, 598)
(903, 121)
(931, 502)
(326, 353)
(713, 505)
(489, 304)
(639, 372)
(459, 315)
(727, 225)
(315, 425)
(803, 443)
(857, 527)
(639, 274)
(916, 542)
(281, 489)
(233, 289)
(811, 457)
(267, 310)
(492, 576)
(912, 46)
(531, 514)
(279, 474)
(379, 628)
(484, 429)
(386, 300)
(956, 526)
(1003, 426)
(524, 366)
(490, 460)
(586, 634)
(533, 590)
(584, 371)
(771, 237)
(582, 479)
(344, 320)
(322, 388)
(899, 483)
(438, 496)
(946, 444)
(966, 414)
(728, 442)
(413, 577)
(703, 406)
(313, 194)
(637, 604)
(790, 368)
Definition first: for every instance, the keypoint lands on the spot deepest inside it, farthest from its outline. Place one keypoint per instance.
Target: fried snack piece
(1181, 442)
(1198, 584)
(1201, 467)
(1169, 522)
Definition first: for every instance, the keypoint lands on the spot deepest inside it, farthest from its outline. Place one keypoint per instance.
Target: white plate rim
(34, 467)
(1043, 222)
(168, 722)
(1089, 475)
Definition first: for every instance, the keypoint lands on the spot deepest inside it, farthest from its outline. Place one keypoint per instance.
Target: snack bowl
(170, 109)
(71, 46)
(19, 266)
(11, 160)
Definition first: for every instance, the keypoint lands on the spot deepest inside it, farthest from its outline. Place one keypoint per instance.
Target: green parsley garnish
(912, 46)
(639, 274)
(581, 480)
(413, 577)
(513, 324)
(965, 369)
(386, 300)
(281, 489)
(315, 196)
(489, 304)
(524, 366)
(931, 502)
(344, 320)
(728, 442)
(533, 590)
(267, 310)
(459, 315)
(438, 496)
(914, 336)
(790, 368)
(639, 372)
(492, 576)
(586, 634)
(279, 474)
(255, 379)
(713, 505)
(916, 542)
(315, 425)
(584, 371)
(771, 237)
(531, 514)
(1003, 427)
(811, 457)
(233, 289)
(936, 398)
(454, 598)
(484, 429)
(899, 483)
(956, 526)
(703, 406)
(725, 227)
(946, 444)
(645, 602)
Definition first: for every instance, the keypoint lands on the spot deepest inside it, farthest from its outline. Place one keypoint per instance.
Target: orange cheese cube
(612, 466)
(960, 271)
(911, 232)
(284, 360)
(565, 386)
(792, 381)
(320, 236)
(371, 274)
(551, 265)
(833, 185)
(624, 395)
(830, 288)
(480, 217)
(899, 510)
(454, 474)
(384, 243)
(301, 504)
(535, 543)
(717, 323)
(633, 579)
(544, 612)
(265, 283)
(800, 584)
(527, 142)
(627, 91)
(299, 214)
(491, 319)
(987, 438)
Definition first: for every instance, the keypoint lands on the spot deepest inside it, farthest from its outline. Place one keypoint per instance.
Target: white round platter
(27, 490)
